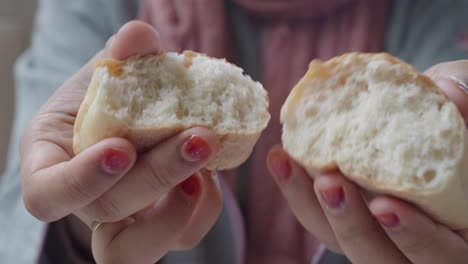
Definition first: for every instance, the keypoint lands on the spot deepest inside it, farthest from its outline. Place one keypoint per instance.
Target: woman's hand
(150, 204)
(333, 210)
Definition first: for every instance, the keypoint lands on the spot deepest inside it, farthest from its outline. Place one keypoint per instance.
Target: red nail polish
(333, 197)
(389, 220)
(196, 148)
(115, 161)
(281, 167)
(191, 186)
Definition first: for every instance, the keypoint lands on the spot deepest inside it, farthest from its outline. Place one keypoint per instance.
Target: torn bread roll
(386, 126)
(148, 99)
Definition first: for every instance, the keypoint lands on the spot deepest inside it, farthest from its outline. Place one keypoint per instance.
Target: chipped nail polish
(195, 148)
(334, 197)
(115, 161)
(389, 220)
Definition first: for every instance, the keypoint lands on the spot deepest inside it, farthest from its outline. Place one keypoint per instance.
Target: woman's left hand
(386, 229)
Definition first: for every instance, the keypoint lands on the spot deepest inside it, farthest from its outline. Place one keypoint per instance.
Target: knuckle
(78, 188)
(42, 126)
(103, 210)
(36, 208)
(158, 177)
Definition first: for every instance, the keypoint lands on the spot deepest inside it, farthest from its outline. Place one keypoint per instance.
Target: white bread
(387, 127)
(148, 99)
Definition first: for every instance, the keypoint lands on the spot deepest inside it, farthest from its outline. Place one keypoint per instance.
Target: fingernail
(281, 167)
(460, 83)
(115, 161)
(334, 197)
(191, 186)
(195, 148)
(389, 220)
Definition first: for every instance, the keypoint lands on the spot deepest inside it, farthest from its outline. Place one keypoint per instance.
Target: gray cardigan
(68, 33)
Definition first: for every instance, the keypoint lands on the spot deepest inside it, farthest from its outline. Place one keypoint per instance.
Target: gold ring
(96, 226)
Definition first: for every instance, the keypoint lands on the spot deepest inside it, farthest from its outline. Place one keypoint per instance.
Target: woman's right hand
(150, 203)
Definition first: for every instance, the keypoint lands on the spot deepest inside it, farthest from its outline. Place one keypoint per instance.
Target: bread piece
(387, 127)
(148, 99)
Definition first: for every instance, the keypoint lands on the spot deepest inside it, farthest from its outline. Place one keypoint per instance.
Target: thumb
(133, 38)
(452, 78)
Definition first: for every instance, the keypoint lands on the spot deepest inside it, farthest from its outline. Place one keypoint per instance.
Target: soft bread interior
(149, 99)
(377, 120)
(182, 90)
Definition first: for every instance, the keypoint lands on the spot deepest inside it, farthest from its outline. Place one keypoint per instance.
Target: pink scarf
(296, 32)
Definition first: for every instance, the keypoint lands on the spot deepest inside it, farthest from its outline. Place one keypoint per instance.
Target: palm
(53, 125)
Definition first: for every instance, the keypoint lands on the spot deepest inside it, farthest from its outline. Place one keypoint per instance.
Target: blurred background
(16, 19)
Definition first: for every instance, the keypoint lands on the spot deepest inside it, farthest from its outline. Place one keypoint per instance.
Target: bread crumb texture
(376, 119)
(182, 90)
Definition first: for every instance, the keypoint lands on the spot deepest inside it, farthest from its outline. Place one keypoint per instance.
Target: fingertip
(274, 156)
(451, 77)
(391, 212)
(115, 156)
(381, 204)
(331, 192)
(279, 164)
(135, 38)
(328, 180)
(454, 89)
(208, 136)
(385, 204)
(420, 238)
